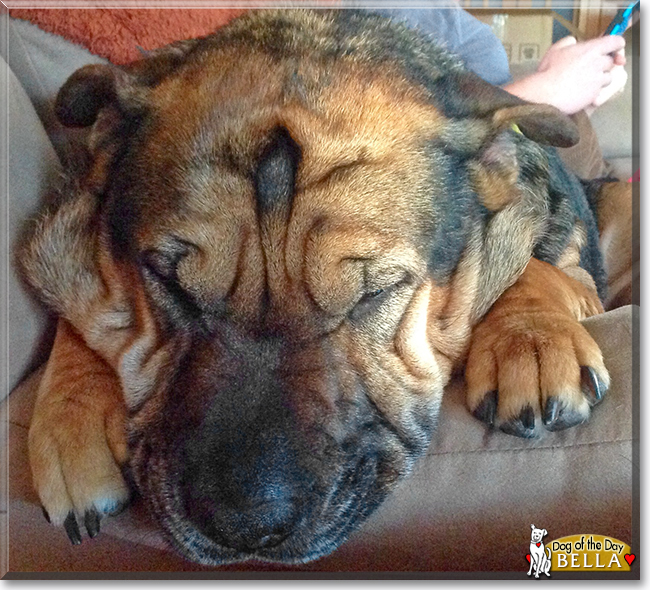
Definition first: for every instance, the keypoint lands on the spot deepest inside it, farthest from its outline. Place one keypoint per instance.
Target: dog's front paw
(75, 453)
(77, 440)
(533, 366)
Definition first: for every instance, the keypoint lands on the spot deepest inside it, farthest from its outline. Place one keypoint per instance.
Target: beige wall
(525, 37)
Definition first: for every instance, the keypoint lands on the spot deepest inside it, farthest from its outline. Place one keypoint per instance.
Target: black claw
(72, 528)
(46, 515)
(557, 416)
(91, 521)
(523, 425)
(592, 386)
(486, 411)
(551, 412)
(527, 418)
(566, 419)
(119, 508)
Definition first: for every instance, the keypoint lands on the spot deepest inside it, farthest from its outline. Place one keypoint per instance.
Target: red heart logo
(528, 558)
(630, 557)
(538, 544)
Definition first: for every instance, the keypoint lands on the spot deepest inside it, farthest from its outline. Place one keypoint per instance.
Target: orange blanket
(117, 33)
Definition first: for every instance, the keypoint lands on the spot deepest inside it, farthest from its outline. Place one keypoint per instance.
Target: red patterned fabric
(116, 34)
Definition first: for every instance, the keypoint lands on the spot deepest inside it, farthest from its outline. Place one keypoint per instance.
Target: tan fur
(362, 194)
(617, 227)
(495, 185)
(530, 346)
(77, 437)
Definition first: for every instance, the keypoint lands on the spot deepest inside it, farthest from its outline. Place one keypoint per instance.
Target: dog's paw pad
(111, 506)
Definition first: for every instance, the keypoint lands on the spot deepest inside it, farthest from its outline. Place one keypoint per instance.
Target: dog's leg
(620, 251)
(77, 438)
(531, 356)
(536, 568)
(548, 562)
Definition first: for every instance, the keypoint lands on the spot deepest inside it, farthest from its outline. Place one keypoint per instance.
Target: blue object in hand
(620, 21)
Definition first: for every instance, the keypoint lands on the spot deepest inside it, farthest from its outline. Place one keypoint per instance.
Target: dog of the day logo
(582, 552)
(539, 556)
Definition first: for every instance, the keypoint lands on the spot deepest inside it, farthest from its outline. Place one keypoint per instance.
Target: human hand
(573, 76)
(583, 73)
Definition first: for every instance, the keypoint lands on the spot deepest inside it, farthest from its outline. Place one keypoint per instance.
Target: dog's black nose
(250, 527)
(245, 492)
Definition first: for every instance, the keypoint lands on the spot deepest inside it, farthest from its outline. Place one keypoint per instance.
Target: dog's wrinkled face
(293, 229)
(278, 270)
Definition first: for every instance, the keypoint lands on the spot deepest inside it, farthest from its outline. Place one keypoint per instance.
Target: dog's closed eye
(374, 298)
(374, 294)
(162, 262)
(158, 265)
(160, 269)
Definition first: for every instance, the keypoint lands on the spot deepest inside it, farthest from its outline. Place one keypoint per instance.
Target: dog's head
(536, 534)
(284, 237)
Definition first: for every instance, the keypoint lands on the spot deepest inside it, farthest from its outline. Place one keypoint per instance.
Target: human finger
(553, 50)
(616, 85)
(607, 44)
(619, 58)
(606, 79)
(564, 42)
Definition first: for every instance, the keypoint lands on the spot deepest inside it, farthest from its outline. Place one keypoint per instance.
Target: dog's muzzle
(262, 455)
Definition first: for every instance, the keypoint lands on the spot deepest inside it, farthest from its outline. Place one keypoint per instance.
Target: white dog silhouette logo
(540, 556)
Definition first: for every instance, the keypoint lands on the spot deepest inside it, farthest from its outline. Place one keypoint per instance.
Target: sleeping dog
(287, 237)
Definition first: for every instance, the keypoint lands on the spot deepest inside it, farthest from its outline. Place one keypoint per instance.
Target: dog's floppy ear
(466, 95)
(94, 87)
(532, 526)
(544, 532)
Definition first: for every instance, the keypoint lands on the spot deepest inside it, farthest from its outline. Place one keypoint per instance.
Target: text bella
(588, 553)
